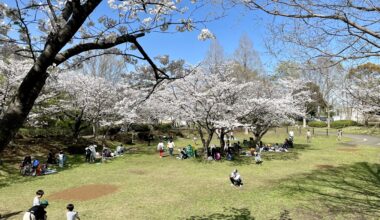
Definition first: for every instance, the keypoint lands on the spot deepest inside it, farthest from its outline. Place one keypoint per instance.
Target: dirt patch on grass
(324, 166)
(84, 193)
(348, 149)
(137, 171)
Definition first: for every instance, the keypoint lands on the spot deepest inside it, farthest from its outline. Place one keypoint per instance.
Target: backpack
(36, 163)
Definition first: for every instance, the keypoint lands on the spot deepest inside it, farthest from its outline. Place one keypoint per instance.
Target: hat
(44, 202)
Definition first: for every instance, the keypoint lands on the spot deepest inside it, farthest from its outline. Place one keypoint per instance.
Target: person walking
(340, 134)
(308, 136)
(71, 214)
(160, 148)
(171, 146)
(37, 212)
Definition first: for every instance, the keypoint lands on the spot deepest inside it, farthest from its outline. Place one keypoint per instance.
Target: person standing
(340, 134)
(37, 198)
(308, 136)
(71, 214)
(171, 146)
(291, 135)
(160, 148)
(61, 159)
(37, 212)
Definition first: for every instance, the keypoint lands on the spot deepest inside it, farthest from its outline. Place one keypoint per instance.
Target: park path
(361, 139)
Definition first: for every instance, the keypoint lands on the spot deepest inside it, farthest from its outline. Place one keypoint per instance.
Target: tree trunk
(31, 86)
(78, 123)
(205, 142)
(304, 122)
(95, 130)
(22, 103)
(328, 117)
(221, 139)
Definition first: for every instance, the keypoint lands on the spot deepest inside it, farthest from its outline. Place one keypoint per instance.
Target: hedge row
(343, 124)
(317, 124)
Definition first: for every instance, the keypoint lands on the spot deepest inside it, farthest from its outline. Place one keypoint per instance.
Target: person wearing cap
(236, 179)
(37, 212)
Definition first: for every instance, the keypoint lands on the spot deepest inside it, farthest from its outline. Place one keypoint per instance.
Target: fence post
(313, 131)
(287, 130)
(327, 132)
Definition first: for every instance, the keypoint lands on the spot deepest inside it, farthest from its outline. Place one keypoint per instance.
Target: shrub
(343, 123)
(163, 127)
(317, 124)
(140, 128)
(124, 138)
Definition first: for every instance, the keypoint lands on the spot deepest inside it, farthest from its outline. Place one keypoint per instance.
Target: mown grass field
(321, 180)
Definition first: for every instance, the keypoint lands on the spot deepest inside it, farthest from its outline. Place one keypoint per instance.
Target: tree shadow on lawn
(352, 190)
(237, 214)
(10, 172)
(229, 214)
(292, 154)
(8, 215)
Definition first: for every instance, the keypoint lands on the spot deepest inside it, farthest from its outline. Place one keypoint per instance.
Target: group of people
(106, 153)
(29, 167)
(38, 209)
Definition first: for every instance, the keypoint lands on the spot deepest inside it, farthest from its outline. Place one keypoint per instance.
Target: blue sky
(186, 45)
(228, 31)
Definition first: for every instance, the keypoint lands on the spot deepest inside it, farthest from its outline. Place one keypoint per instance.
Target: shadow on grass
(237, 214)
(229, 214)
(352, 190)
(10, 172)
(292, 154)
(8, 215)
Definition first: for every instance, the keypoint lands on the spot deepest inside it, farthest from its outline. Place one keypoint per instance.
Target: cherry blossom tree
(87, 98)
(205, 99)
(364, 87)
(56, 32)
(269, 104)
(12, 71)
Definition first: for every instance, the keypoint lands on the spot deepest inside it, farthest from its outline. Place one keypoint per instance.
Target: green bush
(343, 123)
(162, 127)
(317, 124)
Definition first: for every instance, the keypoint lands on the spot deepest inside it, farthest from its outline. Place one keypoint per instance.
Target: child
(71, 215)
(61, 159)
(236, 179)
(37, 212)
(36, 200)
(160, 148)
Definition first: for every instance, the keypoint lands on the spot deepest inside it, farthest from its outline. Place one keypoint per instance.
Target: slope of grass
(315, 181)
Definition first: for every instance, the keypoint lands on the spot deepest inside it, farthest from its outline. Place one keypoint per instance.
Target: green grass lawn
(321, 180)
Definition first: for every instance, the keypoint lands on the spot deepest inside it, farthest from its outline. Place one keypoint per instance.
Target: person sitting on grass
(37, 212)
(182, 154)
(236, 179)
(71, 215)
(258, 158)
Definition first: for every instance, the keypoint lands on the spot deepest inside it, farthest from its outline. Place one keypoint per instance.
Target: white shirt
(36, 201)
(160, 146)
(171, 145)
(71, 215)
